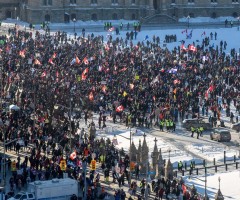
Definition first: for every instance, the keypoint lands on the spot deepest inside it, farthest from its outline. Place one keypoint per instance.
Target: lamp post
(205, 189)
(15, 9)
(74, 29)
(69, 117)
(3, 164)
(188, 18)
(238, 22)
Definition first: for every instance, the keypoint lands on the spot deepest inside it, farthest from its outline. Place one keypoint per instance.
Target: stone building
(148, 11)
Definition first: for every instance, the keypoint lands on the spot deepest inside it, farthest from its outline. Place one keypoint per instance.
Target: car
(196, 123)
(220, 135)
(23, 196)
(236, 127)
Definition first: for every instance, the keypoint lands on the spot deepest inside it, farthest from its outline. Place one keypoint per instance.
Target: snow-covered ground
(229, 184)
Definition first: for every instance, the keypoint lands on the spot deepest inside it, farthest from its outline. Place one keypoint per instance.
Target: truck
(61, 189)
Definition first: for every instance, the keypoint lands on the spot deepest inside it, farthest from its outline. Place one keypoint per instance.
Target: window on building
(234, 1)
(73, 1)
(190, 1)
(47, 18)
(114, 1)
(47, 2)
(213, 1)
(133, 16)
(73, 16)
(94, 2)
(114, 16)
(173, 1)
(214, 15)
(133, 1)
(94, 17)
(235, 14)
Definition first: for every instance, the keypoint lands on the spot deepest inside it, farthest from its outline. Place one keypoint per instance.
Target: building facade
(37, 11)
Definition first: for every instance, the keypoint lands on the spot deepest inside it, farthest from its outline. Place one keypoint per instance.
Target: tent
(13, 107)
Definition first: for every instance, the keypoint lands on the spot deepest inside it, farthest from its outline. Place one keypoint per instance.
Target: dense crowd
(52, 78)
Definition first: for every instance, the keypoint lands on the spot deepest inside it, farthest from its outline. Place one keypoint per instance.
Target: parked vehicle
(236, 127)
(61, 189)
(196, 123)
(220, 135)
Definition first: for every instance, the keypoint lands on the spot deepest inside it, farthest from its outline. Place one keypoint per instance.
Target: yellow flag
(124, 93)
(137, 77)
(78, 78)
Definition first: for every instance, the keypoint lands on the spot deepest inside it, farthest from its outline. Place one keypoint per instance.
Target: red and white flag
(51, 61)
(119, 108)
(111, 29)
(176, 81)
(73, 155)
(90, 96)
(43, 74)
(84, 74)
(192, 48)
(37, 62)
(183, 47)
(78, 61)
(85, 60)
(22, 53)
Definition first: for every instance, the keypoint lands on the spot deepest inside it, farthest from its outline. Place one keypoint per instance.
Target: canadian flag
(54, 55)
(78, 61)
(123, 69)
(119, 108)
(85, 60)
(192, 48)
(51, 61)
(176, 81)
(111, 29)
(22, 53)
(43, 74)
(73, 155)
(57, 75)
(183, 47)
(104, 88)
(84, 74)
(107, 47)
(90, 96)
(37, 62)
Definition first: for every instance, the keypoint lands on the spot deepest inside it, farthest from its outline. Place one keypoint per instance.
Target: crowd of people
(54, 78)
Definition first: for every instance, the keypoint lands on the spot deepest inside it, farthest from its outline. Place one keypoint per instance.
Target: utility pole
(85, 179)
(130, 155)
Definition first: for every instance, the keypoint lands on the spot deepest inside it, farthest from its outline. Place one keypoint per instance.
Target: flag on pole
(77, 60)
(111, 29)
(192, 48)
(119, 108)
(43, 74)
(84, 74)
(22, 53)
(90, 96)
(85, 60)
(73, 155)
(182, 47)
(51, 61)
(37, 62)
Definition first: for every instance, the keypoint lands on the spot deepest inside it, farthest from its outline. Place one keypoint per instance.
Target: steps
(159, 19)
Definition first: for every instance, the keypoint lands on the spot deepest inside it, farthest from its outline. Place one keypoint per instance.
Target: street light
(188, 18)
(69, 118)
(3, 164)
(238, 22)
(74, 21)
(15, 12)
